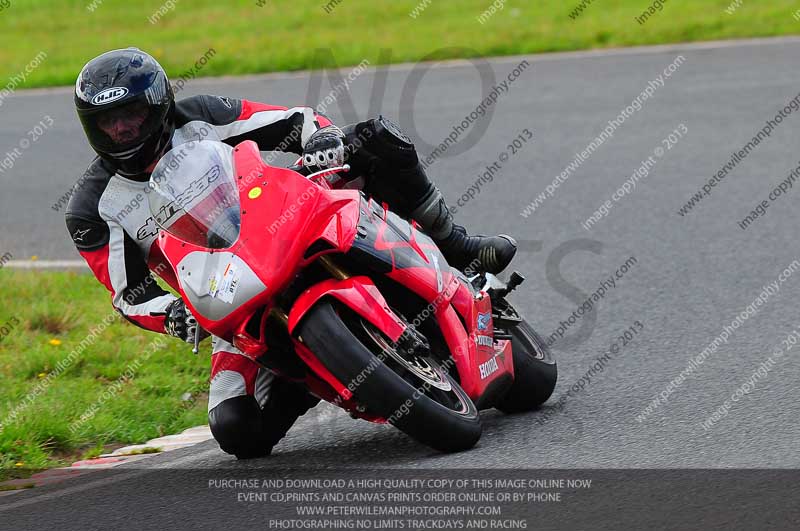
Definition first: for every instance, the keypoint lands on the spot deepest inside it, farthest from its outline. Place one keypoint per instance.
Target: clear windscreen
(194, 195)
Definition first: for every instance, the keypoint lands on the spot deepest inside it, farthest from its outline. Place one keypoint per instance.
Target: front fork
(336, 272)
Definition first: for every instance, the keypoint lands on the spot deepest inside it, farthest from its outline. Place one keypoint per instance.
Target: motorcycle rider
(126, 106)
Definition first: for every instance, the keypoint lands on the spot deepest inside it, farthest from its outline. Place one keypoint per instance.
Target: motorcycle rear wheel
(535, 371)
(418, 397)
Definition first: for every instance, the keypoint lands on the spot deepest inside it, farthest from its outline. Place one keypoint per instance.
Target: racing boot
(470, 254)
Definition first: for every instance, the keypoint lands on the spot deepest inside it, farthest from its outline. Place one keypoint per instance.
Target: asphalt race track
(691, 276)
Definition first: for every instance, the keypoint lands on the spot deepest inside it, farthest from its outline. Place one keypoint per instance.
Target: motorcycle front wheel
(413, 392)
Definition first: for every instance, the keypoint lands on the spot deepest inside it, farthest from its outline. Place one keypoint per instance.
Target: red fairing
(475, 347)
(358, 293)
(287, 216)
(476, 311)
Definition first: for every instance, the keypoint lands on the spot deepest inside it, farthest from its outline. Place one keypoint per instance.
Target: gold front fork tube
(337, 272)
(280, 315)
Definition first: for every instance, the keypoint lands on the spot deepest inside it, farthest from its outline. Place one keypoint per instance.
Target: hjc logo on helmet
(108, 95)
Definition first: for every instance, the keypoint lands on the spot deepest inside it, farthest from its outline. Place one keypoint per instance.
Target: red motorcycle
(327, 287)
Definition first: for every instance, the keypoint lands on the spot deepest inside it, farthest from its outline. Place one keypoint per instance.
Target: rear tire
(384, 392)
(535, 371)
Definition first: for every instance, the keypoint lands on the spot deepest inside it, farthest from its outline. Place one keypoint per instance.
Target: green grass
(55, 312)
(285, 35)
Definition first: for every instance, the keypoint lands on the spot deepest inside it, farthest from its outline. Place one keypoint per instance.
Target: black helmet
(126, 83)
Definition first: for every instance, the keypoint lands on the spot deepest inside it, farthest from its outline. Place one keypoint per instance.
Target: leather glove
(180, 322)
(324, 149)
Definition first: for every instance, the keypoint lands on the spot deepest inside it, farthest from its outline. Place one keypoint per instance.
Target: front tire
(535, 371)
(446, 423)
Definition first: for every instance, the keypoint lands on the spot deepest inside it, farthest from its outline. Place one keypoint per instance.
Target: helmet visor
(121, 130)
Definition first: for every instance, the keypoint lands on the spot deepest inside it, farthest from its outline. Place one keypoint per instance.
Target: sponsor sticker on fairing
(223, 286)
(229, 285)
(484, 341)
(213, 284)
(488, 368)
(483, 320)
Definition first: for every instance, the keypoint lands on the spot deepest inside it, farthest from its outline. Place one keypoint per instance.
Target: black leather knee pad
(237, 426)
(382, 139)
(388, 160)
(391, 144)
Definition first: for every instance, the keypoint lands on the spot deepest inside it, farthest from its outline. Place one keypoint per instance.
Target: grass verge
(56, 406)
(250, 36)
